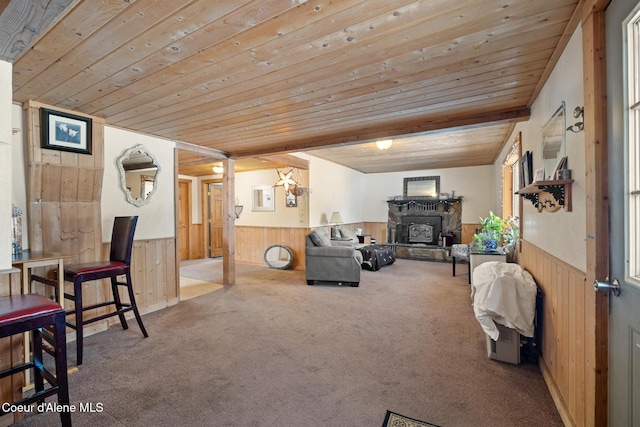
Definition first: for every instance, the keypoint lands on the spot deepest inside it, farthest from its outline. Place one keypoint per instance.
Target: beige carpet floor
(273, 351)
(199, 277)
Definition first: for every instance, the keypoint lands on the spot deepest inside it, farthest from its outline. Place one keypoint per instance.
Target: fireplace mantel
(432, 204)
(405, 213)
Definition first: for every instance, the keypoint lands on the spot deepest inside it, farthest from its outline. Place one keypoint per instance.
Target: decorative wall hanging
(292, 199)
(65, 132)
(578, 113)
(263, 198)
(286, 180)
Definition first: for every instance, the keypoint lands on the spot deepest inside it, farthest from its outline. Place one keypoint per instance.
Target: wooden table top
(29, 256)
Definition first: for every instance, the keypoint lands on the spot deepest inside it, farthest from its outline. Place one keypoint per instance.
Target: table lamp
(335, 219)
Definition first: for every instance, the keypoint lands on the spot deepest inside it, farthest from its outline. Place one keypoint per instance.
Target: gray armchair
(331, 260)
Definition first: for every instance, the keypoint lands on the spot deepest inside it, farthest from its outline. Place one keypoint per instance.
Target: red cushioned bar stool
(119, 264)
(46, 320)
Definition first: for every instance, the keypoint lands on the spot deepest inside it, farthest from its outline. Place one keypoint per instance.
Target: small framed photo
(263, 198)
(292, 200)
(539, 176)
(526, 169)
(65, 132)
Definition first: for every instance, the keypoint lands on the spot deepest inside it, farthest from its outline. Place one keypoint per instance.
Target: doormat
(396, 420)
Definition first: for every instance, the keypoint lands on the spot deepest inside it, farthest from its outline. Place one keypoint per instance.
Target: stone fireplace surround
(443, 216)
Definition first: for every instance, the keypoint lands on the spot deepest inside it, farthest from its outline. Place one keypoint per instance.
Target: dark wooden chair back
(124, 227)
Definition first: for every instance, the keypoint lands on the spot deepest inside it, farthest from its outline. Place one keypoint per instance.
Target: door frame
(189, 216)
(596, 211)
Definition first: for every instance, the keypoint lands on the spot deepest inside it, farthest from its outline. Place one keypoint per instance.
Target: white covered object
(504, 293)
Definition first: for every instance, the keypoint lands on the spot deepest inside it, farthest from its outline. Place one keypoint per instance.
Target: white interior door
(623, 89)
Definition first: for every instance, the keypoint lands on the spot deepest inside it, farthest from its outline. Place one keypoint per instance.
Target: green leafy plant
(495, 231)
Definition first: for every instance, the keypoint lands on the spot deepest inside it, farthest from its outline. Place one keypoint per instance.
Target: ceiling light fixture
(218, 169)
(384, 144)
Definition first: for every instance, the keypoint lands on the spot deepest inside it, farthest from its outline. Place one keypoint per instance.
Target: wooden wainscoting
(564, 346)
(377, 230)
(251, 242)
(468, 230)
(155, 278)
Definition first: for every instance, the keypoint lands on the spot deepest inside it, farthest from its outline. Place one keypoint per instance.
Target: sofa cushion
(320, 237)
(348, 233)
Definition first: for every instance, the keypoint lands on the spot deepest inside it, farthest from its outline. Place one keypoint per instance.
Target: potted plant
(494, 232)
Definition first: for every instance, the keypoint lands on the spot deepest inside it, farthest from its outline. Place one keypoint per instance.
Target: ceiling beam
(287, 159)
(199, 149)
(397, 130)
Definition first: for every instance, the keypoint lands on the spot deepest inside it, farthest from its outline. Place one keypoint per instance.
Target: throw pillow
(315, 239)
(320, 237)
(348, 233)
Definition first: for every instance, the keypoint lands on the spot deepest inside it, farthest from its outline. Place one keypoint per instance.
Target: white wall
(363, 197)
(5, 164)
(19, 169)
(334, 188)
(474, 184)
(155, 219)
(562, 234)
(283, 216)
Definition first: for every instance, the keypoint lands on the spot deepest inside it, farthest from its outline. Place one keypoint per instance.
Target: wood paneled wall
(468, 230)
(64, 192)
(154, 274)
(564, 340)
(251, 242)
(377, 230)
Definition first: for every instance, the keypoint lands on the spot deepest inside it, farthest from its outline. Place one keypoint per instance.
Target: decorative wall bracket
(549, 195)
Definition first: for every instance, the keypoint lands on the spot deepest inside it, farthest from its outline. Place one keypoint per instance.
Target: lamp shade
(336, 218)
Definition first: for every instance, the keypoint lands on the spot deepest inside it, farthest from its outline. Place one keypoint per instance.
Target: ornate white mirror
(138, 174)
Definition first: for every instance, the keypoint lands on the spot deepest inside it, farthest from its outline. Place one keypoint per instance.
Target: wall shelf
(549, 195)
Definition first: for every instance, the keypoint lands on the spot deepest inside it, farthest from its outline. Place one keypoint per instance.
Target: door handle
(614, 287)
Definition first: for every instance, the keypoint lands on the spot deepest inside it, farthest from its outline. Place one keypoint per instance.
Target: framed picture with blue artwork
(65, 132)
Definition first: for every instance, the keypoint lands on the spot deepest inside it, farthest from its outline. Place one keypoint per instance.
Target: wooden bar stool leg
(118, 303)
(77, 289)
(38, 380)
(134, 306)
(61, 366)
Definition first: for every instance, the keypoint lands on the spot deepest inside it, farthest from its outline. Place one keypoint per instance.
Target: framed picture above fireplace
(421, 187)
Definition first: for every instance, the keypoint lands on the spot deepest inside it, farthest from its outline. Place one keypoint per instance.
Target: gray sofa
(330, 260)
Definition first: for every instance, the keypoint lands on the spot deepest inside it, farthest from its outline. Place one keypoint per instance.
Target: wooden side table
(27, 260)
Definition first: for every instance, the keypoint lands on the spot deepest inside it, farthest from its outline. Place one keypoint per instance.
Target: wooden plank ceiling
(256, 77)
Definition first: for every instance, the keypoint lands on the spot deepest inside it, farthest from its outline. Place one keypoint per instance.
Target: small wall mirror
(138, 174)
(553, 141)
(425, 187)
(278, 256)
